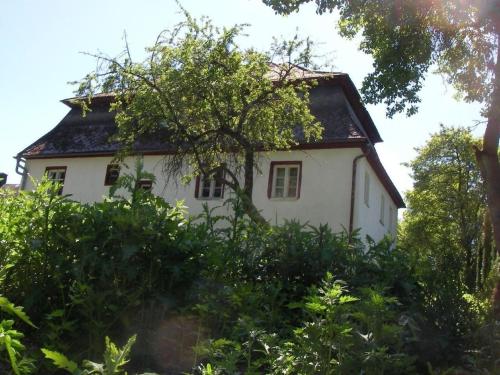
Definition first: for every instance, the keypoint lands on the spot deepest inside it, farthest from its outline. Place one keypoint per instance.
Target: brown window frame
(107, 177)
(270, 182)
(54, 168)
(198, 188)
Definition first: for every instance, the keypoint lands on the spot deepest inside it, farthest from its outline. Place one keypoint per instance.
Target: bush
(255, 299)
(83, 270)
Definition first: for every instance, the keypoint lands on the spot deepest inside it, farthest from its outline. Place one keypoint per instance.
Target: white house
(338, 180)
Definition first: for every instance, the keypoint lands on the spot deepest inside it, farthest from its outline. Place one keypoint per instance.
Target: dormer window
(112, 174)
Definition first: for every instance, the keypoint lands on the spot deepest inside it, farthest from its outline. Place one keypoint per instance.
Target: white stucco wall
(324, 194)
(367, 217)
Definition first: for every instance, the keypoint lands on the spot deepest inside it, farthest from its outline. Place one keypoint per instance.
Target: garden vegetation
(226, 295)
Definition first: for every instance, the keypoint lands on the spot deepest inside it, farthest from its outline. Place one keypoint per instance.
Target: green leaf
(3, 271)
(295, 305)
(60, 361)
(115, 358)
(55, 314)
(347, 299)
(315, 307)
(12, 355)
(9, 308)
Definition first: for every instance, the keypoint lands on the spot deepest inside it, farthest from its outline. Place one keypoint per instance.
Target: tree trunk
(479, 267)
(490, 168)
(246, 197)
(487, 248)
(469, 277)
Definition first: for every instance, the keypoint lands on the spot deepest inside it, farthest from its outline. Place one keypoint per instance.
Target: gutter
(21, 170)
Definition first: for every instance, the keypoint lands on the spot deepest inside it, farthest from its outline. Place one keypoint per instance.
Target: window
(367, 189)
(112, 174)
(391, 218)
(382, 209)
(56, 175)
(285, 180)
(145, 184)
(210, 187)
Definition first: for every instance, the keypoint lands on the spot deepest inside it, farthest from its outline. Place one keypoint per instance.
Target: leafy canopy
(207, 98)
(447, 205)
(405, 38)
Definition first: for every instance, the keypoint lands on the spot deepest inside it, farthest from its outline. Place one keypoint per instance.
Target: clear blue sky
(41, 41)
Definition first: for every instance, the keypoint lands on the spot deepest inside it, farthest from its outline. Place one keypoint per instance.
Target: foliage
(445, 234)
(345, 335)
(447, 207)
(208, 99)
(129, 183)
(258, 294)
(114, 360)
(340, 334)
(10, 338)
(71, 263)
(257, 278)
(406, 37)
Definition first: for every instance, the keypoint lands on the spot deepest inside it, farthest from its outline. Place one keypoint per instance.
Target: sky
(42, 42)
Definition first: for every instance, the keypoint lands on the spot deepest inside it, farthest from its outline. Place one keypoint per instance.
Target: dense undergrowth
(221, 295)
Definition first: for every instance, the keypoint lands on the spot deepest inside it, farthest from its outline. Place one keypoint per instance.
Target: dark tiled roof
(329, 105)
(93, 133)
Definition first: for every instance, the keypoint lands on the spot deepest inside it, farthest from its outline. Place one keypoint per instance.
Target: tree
(444, 236)
(447, 206)
(405, 38)
(215, 104)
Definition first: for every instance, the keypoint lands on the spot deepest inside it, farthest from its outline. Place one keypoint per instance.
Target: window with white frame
(56, 175)
(367, 189)
(284, 180)
(210, 187)
(382, 209)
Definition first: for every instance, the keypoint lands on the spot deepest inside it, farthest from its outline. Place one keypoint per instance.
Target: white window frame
(212, 188)
(287, 166)
(54, 174)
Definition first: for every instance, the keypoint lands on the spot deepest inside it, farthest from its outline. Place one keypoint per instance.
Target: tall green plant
(114, 360)
(10, 338)
(345, 334)
(31, 225)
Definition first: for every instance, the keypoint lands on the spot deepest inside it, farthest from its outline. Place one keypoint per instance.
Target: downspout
(353, 189)
(21, 170)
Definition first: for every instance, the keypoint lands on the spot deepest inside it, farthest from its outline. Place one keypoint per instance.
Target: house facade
(338, 181)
